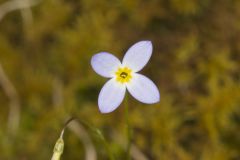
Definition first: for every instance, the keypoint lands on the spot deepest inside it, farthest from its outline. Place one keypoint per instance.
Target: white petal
(138, 55)
(143, 89)
(111, 96)
(105, 64)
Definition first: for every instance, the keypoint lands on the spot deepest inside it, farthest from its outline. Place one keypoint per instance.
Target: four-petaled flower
(123, 76)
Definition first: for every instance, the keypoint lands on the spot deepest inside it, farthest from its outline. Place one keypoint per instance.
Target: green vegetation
(46, 77)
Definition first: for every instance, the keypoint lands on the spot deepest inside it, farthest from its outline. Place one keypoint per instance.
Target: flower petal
(138, 55)
(105, 64)
(143, 89)
(111, 96)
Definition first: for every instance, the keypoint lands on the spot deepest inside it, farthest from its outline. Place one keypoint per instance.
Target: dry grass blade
(82, 134)
(14, 103)
(12, 5)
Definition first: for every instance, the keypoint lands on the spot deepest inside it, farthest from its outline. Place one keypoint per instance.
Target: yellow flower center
(123, 75)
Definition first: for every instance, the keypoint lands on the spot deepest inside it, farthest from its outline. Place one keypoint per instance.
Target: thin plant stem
(101, 138)
(105, 143)
(128, 128)
(59, 146)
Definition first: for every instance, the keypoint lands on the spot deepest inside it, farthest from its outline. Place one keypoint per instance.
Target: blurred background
(46, 77)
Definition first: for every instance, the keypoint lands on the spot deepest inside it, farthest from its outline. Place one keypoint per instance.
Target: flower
(124, 77)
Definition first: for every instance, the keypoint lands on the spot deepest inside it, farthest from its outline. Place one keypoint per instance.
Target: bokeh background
(46, 77)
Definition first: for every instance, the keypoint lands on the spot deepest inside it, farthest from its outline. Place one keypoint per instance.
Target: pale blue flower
(124, 77)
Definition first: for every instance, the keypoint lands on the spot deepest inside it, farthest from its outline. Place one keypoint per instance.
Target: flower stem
(105, 143)
(59, 146)
(128, 128)
(101, 137)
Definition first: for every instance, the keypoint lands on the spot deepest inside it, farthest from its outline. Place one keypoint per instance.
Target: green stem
(105, 143)
(101, 138)
(128, 128)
